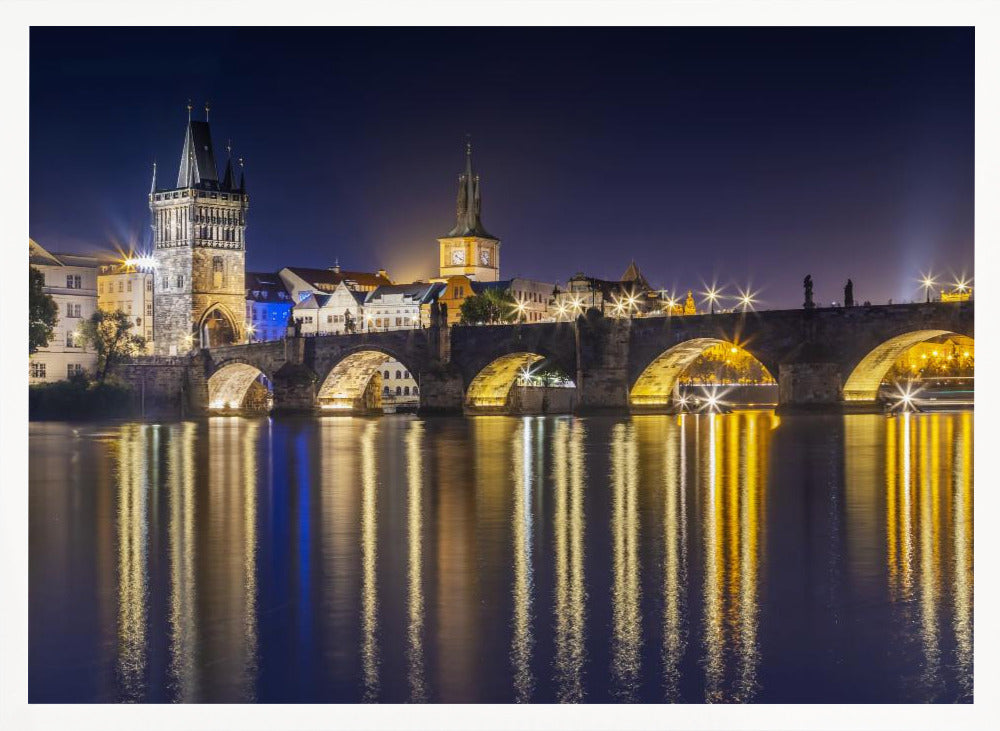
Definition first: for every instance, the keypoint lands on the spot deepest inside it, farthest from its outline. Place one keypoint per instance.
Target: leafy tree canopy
(42, 312)
(490, 307)
(110, 335)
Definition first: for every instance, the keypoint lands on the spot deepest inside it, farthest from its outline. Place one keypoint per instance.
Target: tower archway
(218, 327)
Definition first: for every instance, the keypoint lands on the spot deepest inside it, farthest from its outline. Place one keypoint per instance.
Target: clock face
(484, 256)
(458, 256)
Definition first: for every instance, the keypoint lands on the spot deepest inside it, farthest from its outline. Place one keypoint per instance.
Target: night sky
(739, 155)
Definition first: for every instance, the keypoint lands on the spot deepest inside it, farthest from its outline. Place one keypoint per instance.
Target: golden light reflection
(249, 674)
(675, 556)
(732, 516)
(626, 593)
(132, 549)
(369, 556)
(522, 641)
(183, 584)
(929, 496)
(570, 591)
(415, 629)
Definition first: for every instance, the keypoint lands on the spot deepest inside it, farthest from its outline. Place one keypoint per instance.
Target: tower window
(218, 273)
(180, 280)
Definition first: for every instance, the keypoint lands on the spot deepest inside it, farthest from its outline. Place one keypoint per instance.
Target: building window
(121, 285)
(416, 392)
(149, 310)
(398, 375)
(166, 282)
(71, 339)
(149, 284)
(406, 374)
(100, 288)
(180, 281)
(385, 375)
(73, 369)
(399, 391)
(38, 370)
(129, 286)
(406, 390)
(329, 319)
(72, 310)
(73, 281)
(218, 275)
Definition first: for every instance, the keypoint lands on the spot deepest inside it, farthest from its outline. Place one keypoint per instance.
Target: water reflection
(132, 574)
(183, 587)
(415, 628)
(523, 478)
(929, 496)
(732, 497)
(625, 592)
(570, 591)
(344, 559)
(369, 555)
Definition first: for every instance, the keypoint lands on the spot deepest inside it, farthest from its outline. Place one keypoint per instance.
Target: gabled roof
(313, 302)
(266, 287)
(632, 275)
(39, 256)
(418, 292)
(328, 279)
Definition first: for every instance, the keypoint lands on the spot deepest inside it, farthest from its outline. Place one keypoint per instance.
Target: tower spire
(206, 111)
(469, 201)
(228, 179)
(189, 110)
(152, 186)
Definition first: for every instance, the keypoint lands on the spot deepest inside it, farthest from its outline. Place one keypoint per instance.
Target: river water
(727, 558)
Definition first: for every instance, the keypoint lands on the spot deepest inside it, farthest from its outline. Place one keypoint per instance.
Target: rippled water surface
(736, 557)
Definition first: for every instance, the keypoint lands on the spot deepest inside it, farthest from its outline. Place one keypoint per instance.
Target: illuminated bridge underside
(491, 387)
(655, 386)
(863, 383)
(229, 385)
(346, 384)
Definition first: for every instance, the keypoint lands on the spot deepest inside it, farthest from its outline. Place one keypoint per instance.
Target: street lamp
(712, 296)
(927, 280)
(747, 299)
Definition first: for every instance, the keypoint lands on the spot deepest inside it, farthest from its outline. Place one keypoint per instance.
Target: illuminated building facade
(469, 249)
(71, 281)
(268, 307)
(128, 287)
(199, 244)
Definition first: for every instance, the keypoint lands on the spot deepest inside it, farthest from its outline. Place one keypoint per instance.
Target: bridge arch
(230, 383)
(490, 389)
(655, 385)
(354, 382)
(218, 326)
(862, 384)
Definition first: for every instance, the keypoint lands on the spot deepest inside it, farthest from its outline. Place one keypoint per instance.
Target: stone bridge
(825, 359)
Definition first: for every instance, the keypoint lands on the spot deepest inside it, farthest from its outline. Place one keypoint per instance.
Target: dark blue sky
(737, 154)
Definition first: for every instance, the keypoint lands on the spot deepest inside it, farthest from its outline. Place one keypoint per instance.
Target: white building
(401, 306)
(536, 300)
(329, 314)
(128, 287)
(71, 280)
(301, 282)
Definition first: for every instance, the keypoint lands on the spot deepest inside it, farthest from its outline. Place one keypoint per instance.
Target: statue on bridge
(849, 294)
(807, 284)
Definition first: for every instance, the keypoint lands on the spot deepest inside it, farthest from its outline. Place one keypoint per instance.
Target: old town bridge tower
(199, 247)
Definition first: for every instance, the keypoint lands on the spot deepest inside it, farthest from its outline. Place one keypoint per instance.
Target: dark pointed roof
(197, 168)
(468, 207)
(632, 275)
(228, 179)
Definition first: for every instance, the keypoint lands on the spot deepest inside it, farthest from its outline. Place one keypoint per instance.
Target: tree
(42, 312)
(492, 306)
(110, 335)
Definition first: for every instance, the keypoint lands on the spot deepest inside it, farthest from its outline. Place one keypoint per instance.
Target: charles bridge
(822, 359)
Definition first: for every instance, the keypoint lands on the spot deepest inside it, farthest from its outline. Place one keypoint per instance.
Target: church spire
(243, 178)
(152, 186)
(469, 202)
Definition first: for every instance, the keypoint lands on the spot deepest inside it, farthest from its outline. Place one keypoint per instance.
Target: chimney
(382, 273)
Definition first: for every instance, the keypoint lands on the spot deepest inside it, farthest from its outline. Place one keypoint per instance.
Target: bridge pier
(441, 391)
(295, 389)
(810, 387)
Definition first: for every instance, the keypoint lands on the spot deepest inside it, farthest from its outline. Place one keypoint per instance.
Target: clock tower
(469, 249)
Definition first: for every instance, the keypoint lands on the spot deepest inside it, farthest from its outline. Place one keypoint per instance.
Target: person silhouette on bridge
(849, 294)
(807, 285)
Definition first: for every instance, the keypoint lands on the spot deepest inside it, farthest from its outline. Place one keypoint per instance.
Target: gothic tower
(199, 248)
(468, 248)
